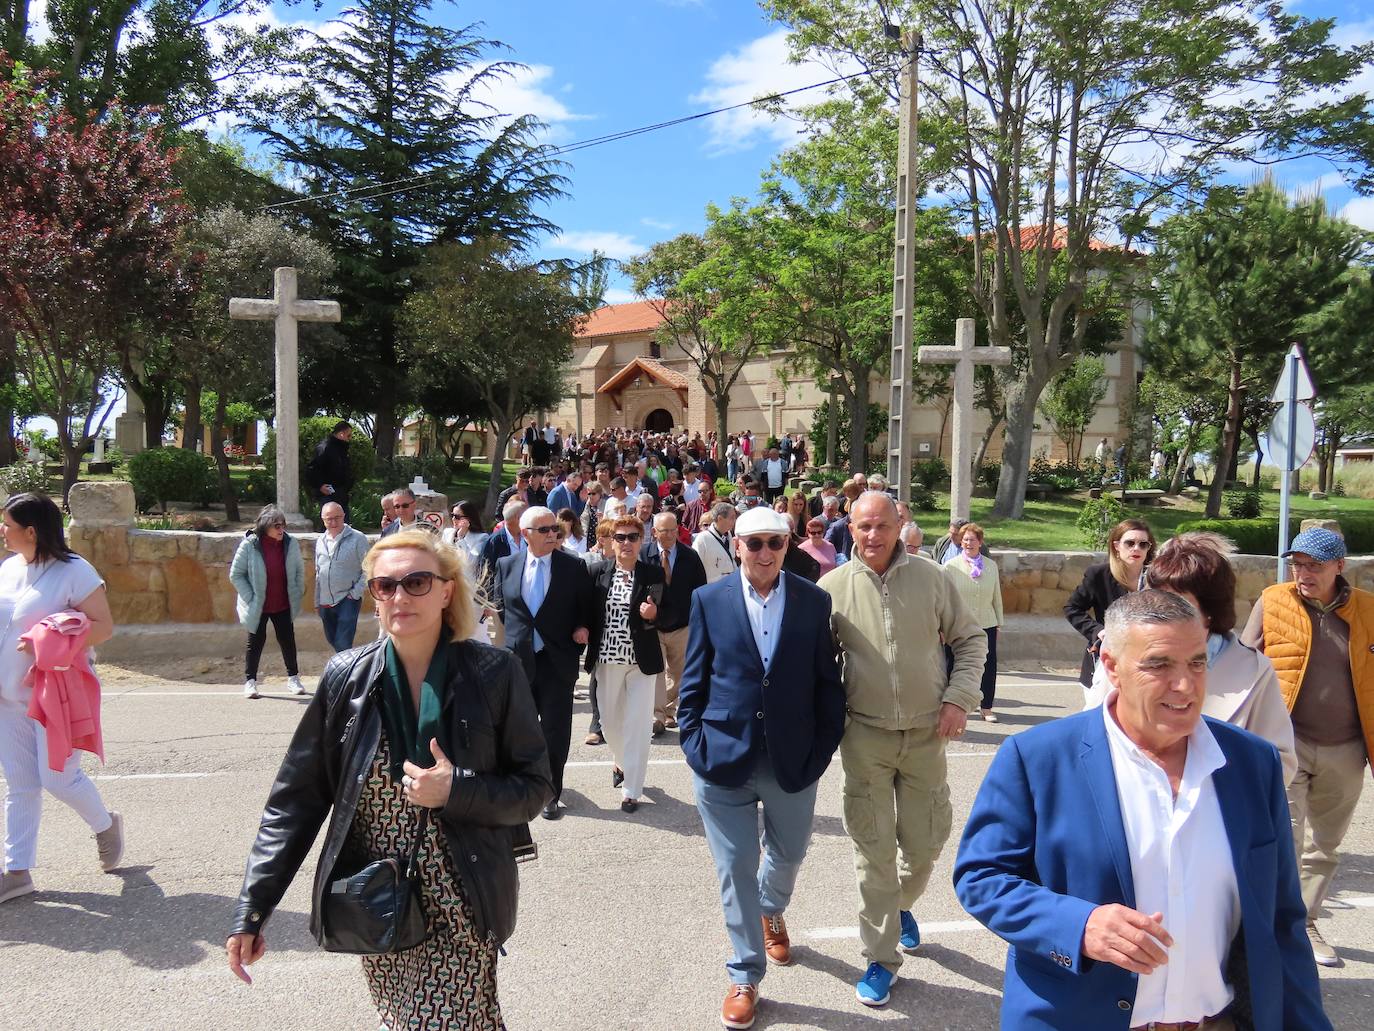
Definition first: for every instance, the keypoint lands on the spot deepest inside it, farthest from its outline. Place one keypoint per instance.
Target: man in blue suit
(1136, 857)
(760, 714)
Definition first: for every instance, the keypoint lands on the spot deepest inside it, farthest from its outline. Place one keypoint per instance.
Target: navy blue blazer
(728, 705)
(1044, 846)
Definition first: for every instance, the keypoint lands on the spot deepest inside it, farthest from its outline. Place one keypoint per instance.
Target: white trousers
(24, 758)
(625, 698)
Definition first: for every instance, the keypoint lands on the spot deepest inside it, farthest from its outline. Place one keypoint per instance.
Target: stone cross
(99, 455)
(963, 356)
(773, 405)
(286, 309)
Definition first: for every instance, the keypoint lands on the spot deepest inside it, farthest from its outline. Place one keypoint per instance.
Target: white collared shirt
(527, 581)
(765, 617)
(1182, 866)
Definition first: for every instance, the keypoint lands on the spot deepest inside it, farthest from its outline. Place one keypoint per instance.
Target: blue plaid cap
(1322, 545)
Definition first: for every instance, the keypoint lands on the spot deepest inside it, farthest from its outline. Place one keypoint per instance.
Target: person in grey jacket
(339, 579)
(269, 576)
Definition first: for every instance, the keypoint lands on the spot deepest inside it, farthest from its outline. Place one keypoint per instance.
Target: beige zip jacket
(889, 631)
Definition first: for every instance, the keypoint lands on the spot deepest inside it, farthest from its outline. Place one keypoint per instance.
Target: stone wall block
(152, 545)
(109, 547)
(188, 591)
(102, 503)
(138, 607)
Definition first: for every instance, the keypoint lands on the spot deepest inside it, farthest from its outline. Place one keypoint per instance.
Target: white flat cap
(762, 520)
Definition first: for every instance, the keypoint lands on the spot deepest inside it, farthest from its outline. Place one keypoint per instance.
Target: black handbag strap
(412, 864)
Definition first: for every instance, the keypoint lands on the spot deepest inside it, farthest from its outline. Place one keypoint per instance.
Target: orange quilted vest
(1288, 642)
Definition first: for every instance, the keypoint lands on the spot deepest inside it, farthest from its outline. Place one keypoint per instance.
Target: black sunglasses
(545, 529)
(624, 538)
(416, 584)
(757, 543)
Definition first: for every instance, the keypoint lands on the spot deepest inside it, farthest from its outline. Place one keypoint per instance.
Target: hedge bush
(164, 474)
(361, 456)
(1261, 536)
(24, 477)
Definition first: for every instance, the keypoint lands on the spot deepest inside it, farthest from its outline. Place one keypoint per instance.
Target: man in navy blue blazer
(1138, 858)
(760, 714)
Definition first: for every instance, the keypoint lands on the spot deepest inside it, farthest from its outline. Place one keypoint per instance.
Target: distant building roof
(650, 367)
(617, 319)
(1032, 236)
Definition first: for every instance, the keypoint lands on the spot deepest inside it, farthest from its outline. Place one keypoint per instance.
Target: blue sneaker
(876, 987)
(910, 940)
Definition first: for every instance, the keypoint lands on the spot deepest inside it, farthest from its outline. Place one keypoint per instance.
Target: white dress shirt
(1182, 866)
(775, 469)
(691, 490)
(765, 617)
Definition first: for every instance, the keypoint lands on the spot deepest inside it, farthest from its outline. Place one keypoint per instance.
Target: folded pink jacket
(66, 694)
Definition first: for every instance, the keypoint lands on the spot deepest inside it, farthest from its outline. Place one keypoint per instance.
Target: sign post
(1291, 434)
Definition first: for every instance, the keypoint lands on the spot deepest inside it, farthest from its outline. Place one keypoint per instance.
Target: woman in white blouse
(42, 578)
(570, 533)
(975, 577)
(625, 654)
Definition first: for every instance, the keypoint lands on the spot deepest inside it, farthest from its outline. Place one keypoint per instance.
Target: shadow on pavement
(150, 928)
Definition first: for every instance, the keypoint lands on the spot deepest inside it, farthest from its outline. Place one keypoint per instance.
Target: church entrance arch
(660, 420)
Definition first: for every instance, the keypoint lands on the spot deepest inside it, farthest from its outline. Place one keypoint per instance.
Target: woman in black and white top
(625, 654)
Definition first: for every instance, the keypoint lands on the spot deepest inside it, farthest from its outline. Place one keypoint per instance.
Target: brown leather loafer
(738, 1009)
(775, 940)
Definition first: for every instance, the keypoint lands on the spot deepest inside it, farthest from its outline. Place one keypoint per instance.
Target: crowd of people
(1125, 853)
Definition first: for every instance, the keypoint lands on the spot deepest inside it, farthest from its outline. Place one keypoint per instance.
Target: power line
(392, 186)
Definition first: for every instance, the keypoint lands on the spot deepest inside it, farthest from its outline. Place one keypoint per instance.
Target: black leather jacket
(494, 731)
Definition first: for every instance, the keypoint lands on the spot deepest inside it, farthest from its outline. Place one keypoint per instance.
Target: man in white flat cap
(760, 714)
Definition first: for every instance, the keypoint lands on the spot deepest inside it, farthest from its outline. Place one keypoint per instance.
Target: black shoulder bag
(376, 910)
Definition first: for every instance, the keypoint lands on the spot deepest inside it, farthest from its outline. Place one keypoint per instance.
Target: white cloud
(654, 223)
(38, 21)
(614, 245)
(757, 69)
(526, 91)
(1360, 212)
(1318, 186)
(615, 295)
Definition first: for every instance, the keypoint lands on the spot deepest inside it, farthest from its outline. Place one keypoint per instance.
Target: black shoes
(628, 805)
(551, 811)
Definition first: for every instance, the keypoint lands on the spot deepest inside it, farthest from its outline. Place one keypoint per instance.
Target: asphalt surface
(620, 923)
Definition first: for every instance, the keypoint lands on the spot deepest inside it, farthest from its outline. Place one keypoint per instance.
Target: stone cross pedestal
(963, 356)
(286, 309)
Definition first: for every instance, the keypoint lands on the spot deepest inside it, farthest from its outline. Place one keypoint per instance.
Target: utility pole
(900, 407)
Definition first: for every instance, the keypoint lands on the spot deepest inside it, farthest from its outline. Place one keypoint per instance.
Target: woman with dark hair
(43, 577)
(570, 533)
(466, 532)
(420, 744)
(269, 576)
(1242, 687)
(1130, 547)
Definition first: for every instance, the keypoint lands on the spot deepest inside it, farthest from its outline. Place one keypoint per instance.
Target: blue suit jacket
(728, 704)
(1044, 846)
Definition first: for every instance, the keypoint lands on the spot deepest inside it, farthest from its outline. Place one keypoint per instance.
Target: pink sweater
(66, 694)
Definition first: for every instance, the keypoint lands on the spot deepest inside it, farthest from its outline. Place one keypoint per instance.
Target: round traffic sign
(1303, 439)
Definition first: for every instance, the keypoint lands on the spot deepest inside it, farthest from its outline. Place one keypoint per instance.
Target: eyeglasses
(757, 543)
(1306, 567)
(625, 538)
(1135, 544)
(403, 504)
(455, 515)
(416, 584)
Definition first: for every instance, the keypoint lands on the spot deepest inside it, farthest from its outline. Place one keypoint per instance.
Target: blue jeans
(341, 623)
(750, 890)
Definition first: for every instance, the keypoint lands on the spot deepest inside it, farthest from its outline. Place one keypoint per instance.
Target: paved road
(620, 923)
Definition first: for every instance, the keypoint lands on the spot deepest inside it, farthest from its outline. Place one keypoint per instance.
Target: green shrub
(724, 488)
(1063, 483)
(165, 474)
(931, 473)
(365, 512)
(1337, 489)
(259, 486)
(361, 456)
(1261, 536)
(989, 475)
(23, 477)
(922, 497)
(49, 445)
(1245, 505)
(1096, 520)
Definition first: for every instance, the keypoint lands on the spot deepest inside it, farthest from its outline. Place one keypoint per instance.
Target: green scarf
(408, 733)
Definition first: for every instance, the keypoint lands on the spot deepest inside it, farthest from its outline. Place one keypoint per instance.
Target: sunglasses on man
(416, 584)
(757, 543)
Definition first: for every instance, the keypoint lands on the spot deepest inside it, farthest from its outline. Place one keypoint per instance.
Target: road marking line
(1354, 902)
(164, 776)
(927, 927)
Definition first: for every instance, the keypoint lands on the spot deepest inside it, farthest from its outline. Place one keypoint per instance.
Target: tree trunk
(1181, 465)
(1229, 444)
(72, 450)
(384, 431)
(226, 482)
(9, 380)
(858, 426)
(501, 425)
(993, 423)
(1259, 459)
(192, 430)
(945, 409)
(722, 406)
(1022, 397)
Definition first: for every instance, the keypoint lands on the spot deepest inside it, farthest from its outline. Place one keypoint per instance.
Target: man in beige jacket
(890, 612)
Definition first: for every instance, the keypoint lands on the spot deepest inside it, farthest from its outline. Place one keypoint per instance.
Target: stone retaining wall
(177, 576)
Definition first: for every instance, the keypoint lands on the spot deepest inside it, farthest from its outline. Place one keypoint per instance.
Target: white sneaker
(250, 689)
(1323, 953)
(294, 685)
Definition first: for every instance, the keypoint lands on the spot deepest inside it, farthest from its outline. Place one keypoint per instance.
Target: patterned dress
(447, 983)
(616, 644)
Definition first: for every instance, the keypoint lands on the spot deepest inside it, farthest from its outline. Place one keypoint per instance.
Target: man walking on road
(760, 715)
(1318, 631)
(891, 613)
(339, 577)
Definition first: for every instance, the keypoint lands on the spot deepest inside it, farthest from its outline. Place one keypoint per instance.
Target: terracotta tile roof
(650, 367)
(1031, 237)
(615, 319)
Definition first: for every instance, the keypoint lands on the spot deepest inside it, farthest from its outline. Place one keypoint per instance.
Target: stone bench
(1143, 497)
(1039, 491)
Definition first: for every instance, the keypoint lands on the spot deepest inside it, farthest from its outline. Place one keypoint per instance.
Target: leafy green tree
(1345, 415)
(1071, 400)
(1186, 407)
(233, 361)
(1240, 279)
(1066, 119)
(485, 317)
(394, 154)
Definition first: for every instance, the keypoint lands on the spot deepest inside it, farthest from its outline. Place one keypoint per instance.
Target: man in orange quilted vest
(1319, 633)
